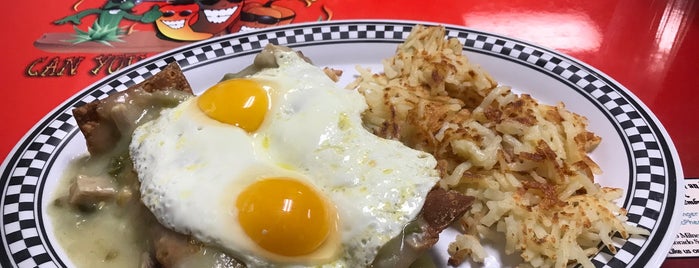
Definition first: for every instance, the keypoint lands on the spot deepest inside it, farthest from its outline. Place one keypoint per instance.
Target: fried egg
(276, 169)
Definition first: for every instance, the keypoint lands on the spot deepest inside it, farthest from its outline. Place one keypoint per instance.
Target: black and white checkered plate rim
(652, 191)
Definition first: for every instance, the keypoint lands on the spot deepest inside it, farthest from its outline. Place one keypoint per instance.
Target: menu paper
(687, 241)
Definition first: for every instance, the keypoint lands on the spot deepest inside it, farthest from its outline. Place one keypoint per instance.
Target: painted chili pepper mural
(216, 15)
(175, 23)
(257, 15)
(107, 28)
(145, 26)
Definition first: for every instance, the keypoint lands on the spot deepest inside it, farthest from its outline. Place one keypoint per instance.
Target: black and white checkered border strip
(292, 36)
(20, 225)
(18, 204)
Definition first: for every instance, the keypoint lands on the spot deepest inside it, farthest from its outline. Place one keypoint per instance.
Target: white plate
(636, 153)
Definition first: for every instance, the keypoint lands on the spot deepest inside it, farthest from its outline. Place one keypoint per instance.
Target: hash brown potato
(525, 162)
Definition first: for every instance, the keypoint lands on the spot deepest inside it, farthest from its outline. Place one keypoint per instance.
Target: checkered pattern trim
(26, 168)
(20, 223)
(293, 36)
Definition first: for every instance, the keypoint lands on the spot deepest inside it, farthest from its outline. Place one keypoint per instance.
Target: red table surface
(650, 47)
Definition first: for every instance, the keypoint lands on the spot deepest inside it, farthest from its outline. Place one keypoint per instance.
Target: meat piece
(171, 248)
(441, 209)
(99, 128)
(87, 191)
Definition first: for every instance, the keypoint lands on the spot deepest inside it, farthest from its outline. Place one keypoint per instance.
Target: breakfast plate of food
(345, 144)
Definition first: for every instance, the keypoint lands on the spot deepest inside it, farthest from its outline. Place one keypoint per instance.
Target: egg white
(192, 167)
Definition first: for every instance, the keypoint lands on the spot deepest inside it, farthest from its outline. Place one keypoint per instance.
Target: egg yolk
(239, 102)
(284, 216)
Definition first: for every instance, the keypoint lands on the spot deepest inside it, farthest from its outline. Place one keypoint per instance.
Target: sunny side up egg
(277, 170)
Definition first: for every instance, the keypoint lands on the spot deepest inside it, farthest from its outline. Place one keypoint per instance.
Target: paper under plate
(636, 153)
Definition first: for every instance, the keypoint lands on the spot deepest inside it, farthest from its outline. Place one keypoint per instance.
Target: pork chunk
(87, 191)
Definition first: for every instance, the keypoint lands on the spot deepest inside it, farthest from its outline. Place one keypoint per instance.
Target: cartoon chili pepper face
(174, 23)
(216, 15)
(256, 15)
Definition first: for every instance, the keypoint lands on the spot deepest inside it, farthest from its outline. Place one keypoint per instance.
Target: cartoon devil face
(174, 23)
(216, 15)
(256, 15)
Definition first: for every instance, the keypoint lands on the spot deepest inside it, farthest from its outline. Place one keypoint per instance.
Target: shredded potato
(525, 162)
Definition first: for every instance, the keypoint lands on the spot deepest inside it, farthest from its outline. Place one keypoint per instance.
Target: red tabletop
(650, 47)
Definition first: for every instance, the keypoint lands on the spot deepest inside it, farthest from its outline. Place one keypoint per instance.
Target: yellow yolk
(284, 216)
(239, 102)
